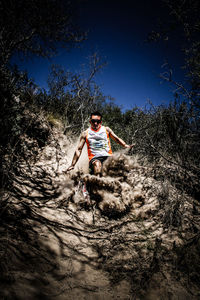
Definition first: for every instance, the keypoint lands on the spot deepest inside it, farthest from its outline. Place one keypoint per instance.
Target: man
(97, 138)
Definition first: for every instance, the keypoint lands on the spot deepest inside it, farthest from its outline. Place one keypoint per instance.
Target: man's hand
(70, 168)
(129, 146)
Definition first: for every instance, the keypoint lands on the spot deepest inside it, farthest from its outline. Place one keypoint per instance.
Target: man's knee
(97, 163)
(97, 167)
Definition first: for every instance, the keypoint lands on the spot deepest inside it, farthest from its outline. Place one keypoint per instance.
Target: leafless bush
(27, 133)
(73, 96)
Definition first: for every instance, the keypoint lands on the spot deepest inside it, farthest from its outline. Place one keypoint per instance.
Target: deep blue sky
(117, 31)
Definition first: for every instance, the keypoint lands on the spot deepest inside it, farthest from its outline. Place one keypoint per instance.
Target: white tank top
(98, 142)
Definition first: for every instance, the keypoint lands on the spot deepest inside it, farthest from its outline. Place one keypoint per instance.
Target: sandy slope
(132, 242)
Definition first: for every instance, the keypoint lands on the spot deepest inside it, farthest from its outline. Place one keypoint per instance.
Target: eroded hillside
(136, 238)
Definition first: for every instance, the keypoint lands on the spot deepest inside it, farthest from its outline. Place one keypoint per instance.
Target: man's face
(95, 122)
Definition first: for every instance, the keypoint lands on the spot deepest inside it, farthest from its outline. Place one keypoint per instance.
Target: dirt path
(136, 243)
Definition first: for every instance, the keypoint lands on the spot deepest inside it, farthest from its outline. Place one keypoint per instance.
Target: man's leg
(97, 165)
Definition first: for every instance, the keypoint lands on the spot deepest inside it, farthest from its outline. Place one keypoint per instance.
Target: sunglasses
(96, 121)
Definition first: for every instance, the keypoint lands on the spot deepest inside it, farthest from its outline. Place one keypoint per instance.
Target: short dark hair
(96, 113)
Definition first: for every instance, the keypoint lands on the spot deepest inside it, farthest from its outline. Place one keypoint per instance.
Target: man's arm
(78, 151)
(117, 139)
